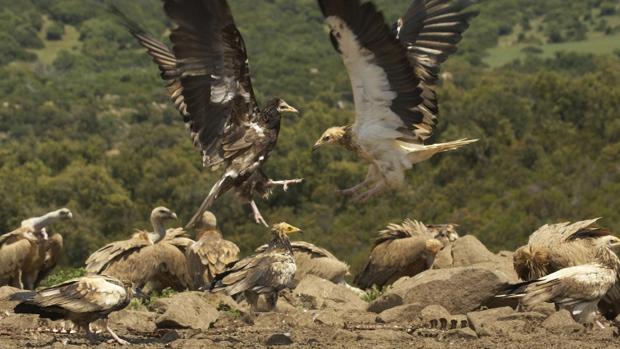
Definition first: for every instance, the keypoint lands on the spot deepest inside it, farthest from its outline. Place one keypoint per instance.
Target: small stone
(433, 312)
(384, 302)
(401, 313)
(279, 339)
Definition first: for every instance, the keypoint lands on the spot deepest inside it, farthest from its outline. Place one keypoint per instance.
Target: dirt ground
(302, 330)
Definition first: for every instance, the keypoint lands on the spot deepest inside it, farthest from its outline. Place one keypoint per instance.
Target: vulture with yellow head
(265, 273)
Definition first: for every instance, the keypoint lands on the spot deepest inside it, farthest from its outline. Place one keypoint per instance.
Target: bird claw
(285, 183)
(259, 219)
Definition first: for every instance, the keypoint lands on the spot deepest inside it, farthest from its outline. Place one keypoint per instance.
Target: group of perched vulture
(393, 71)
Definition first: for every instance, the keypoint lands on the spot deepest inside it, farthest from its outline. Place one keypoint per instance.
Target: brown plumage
(265, 273)
(317, 261)
(556, 246)
(26, 253)
(210, 254)
(400, 250)
(158, 257)
(577, 288)
(81, 300)
(53, 251)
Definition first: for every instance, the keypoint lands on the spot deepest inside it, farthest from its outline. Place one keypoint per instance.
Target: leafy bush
(61, 275)
(55, 31)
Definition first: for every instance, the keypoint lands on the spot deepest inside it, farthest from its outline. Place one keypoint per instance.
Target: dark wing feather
(379, 47)
(430, 30)
(215, 77)
(206, 70)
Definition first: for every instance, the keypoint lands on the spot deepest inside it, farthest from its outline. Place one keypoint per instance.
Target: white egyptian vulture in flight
(392, 72)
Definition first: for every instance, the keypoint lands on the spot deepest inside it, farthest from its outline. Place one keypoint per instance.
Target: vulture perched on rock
(209, 82)
(400, 250)
(210, 254)
(393, 72)
(28, 253)
(577, 288)
(81, 300)
(157, 257)
(314, 260)
(265, 273)
(557, 246)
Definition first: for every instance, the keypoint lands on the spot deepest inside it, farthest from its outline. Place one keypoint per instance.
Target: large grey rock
(134, 321)
(316, 293)
(492, 321)
(562, 322)
(469, 251)
(459, 290)
(186, 310)
(401, 313)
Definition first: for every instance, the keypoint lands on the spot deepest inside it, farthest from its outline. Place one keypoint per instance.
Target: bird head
(333, 135)
(280, 106)
(64, 213)
(284, 229)
(444, 232)
(613, 243)
(162, 213)
(208, 221)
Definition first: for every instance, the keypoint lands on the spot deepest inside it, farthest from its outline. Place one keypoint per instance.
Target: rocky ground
(451, 305)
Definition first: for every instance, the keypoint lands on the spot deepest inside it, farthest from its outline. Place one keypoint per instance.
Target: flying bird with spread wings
(208, 79)
(393, 72)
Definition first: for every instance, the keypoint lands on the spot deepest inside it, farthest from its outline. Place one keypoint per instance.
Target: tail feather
(221, 187)
(23, 296)
(418, 153)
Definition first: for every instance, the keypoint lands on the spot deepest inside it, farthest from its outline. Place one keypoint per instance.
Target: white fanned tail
(420, 152)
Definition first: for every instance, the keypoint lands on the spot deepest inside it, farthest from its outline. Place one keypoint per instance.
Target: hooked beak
(173, 216)
(70, 215)
(287, 108)
(316, 145)
(296, 230)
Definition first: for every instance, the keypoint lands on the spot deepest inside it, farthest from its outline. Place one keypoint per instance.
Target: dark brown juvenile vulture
(556, 246)
(314, 260)
(157, 257)
(210, 254)
(577, 288)
(209, 81)
(265, 273)
(28, 254)
(393, 72)
(81, 300)
(400, 250)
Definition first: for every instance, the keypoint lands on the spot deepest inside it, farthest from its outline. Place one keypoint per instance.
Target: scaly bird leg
(90, 335)
(115, 336)
(371, 177)
(364, 197)
(257, 216)
(284, 183)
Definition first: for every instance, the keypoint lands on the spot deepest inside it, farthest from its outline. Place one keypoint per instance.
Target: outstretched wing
(385, 87)
(207, 72)
(430, 30)
(100, 259)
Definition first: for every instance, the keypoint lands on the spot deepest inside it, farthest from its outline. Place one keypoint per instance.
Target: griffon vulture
(400, 250)
(157, 257)
(393, 73)
(265, 273)
(210, 254)
(28, 254)
(81, 300)
(556, 246)
(577, 288)
(209, 81)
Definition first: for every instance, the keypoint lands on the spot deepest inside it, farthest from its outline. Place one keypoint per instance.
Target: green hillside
(85, 123)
